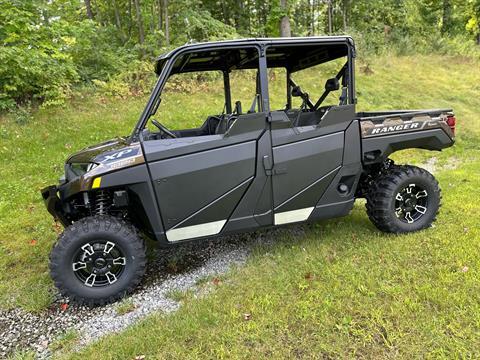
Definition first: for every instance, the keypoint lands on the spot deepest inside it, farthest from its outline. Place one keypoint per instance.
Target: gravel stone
(174, 268)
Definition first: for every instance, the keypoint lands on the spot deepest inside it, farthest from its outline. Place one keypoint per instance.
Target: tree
(285, 30)
(330, 16)
(141, 33)
(473, 24)
(446, 16)
(118, 22)
(88, 5)
(167, 22)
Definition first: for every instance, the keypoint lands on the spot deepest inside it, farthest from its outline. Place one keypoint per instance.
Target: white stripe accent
(293, 216)
(194, 231)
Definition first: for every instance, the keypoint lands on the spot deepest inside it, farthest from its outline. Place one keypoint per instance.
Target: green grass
(341, 290)
(65, 342)
(124, 307)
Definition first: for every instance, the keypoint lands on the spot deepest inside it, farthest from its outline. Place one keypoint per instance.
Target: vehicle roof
(238, 43)
(266, 41)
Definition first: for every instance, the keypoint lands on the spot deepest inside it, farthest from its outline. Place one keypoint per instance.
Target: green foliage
(22, 114)
(95, 50)
(192, 23)
(136, 78)
(33, 63)
(50, 47)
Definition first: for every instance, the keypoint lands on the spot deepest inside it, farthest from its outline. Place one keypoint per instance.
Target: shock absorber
(102, 202)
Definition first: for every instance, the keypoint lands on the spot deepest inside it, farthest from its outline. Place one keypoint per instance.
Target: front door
(198, 188)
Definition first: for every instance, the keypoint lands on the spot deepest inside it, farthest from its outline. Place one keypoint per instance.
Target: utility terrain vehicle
(245, 168)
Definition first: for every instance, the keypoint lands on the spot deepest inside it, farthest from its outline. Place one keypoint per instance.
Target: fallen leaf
(247, 317)
(465, 269)
(64, 306)
(57, 227)
(308, 276)
(139, 357)
(215, 281)
(33, 242)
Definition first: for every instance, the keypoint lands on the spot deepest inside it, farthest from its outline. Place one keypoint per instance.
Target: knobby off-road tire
(98, 260)
(404, 199)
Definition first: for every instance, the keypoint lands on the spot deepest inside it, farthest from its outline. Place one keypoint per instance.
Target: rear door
(306, 160)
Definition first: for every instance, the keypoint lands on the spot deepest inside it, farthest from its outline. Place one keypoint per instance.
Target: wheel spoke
(421, 194)
(119, 261)
(111, 277)
(90, 281)
(108, 247)
(79, 265)
(399, 197)
(88, 249)
(409, 218)
(409, 188)
(421, 209)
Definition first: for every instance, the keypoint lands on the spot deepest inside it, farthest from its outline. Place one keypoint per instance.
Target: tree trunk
(118, 23)
(167, 24)
(312, 17)
(224, 12)
(88, 5)
(160, 18)
(478, 37)
(285, 30)
(141, 33)
(330, 16)
(345, 11)
(130, 20)
(446, 16)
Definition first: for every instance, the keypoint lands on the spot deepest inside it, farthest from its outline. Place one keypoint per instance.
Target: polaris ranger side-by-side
(241, 170)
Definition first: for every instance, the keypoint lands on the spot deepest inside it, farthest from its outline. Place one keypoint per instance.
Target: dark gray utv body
(245, 170)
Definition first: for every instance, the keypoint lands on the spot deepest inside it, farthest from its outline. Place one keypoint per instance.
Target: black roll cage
(165, 63)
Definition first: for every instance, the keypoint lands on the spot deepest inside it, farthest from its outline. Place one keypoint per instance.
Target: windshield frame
(165, 72)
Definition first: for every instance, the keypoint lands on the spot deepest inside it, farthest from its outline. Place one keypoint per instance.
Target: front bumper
(53, 204)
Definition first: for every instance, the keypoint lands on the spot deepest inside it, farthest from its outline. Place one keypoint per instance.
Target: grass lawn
(343, 289)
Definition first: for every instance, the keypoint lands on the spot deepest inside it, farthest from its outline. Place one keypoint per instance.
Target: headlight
(74, 170)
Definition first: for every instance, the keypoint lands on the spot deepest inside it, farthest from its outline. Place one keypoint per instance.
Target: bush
(33, 66)
(136, 78)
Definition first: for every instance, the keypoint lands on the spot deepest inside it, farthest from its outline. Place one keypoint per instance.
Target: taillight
(451, 122)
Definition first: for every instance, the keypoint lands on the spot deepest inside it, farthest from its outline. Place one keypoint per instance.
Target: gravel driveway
(177, 268)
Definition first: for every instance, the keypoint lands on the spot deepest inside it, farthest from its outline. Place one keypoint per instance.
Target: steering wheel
(163, 129)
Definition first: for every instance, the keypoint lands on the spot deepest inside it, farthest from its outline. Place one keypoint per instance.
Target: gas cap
(342, 188)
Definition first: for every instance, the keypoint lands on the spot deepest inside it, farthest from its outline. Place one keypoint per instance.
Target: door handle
(279, 170)
(267, 165)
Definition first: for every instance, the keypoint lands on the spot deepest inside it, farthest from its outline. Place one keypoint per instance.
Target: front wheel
(98, 260)
(404, 199)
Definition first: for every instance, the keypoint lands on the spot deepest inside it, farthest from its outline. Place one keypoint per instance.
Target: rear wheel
(404, 199)
(98, 260)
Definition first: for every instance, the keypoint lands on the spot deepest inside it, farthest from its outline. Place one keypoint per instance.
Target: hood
(102, 158)
(100, 152)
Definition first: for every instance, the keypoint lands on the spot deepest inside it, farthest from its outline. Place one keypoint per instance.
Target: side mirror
(297, 91)
(332, 84)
